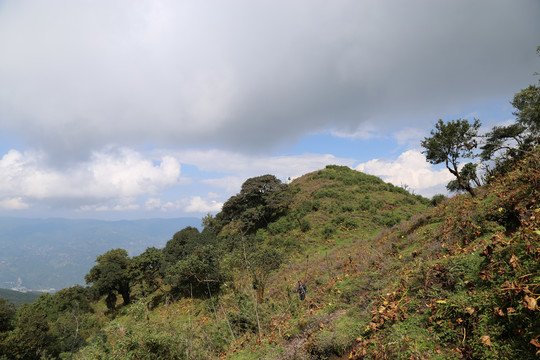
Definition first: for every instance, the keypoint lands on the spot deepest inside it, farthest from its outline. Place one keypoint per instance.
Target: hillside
(17, 297)
(388, 276)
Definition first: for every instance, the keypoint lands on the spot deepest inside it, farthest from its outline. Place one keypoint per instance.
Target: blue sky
(139, 109)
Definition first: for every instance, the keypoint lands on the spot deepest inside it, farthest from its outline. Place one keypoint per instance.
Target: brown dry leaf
(470, 310)
(497, 238)
(510, 310)
(485, 275)
(486, 340)
(530, 303)
(514, 261)
(530, 247)
(535, 343)
(498, 311)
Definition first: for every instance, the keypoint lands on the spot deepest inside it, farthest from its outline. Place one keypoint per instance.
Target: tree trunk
(124, 291)
(260, 293)
(455, 172)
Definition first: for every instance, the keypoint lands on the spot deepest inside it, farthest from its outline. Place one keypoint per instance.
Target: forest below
(387, 273)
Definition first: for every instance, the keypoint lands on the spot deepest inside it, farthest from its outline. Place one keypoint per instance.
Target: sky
(127, 109)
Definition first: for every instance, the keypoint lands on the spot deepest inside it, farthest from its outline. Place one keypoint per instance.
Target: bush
(388, 219)
(281, 226)
(365, 204)
(437, 199)
(328, 231)
(305, 225)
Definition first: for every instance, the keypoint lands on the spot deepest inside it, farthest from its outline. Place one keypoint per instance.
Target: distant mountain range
(46, 254)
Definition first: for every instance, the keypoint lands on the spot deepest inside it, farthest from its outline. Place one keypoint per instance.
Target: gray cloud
(248, 76)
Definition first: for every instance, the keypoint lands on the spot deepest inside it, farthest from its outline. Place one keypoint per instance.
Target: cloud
(13, 204)
(243, 165)
(111, 180)
(200, 205)
(411, 169)
(79, 75)
(119, 179)
(157, 204)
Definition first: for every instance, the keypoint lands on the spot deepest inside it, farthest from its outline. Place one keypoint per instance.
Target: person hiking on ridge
(301, 289)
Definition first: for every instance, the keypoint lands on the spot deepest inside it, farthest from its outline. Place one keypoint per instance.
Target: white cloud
(411, 169)
(117, 179)
(116, 176)
(249, 165)
(13, 204)
(128, 173)
(157, 204)
(199, 205)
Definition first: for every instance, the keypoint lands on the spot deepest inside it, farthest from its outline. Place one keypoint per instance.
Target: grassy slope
(458, 280)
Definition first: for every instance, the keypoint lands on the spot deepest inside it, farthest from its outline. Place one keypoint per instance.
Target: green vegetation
(389, 275)
(19, 298)
(450, 142)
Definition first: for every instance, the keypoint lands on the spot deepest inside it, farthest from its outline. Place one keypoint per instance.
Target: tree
(30, 339)
(450, 142)
(182, 243)
(68, 312)
(261, 199)
(504, 143)
(69, 299)
(111, 275)
(197, 273)
(468, 174)
(500, 138)
(146, 268)
(527, 104)
(261, 261)
(7, 315)
(509, 142)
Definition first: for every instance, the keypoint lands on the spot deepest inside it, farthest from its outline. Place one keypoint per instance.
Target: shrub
(305, 225)
(281, 226)
(437, 199)
(328, 231)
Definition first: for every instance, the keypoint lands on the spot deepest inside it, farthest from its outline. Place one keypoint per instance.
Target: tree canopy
(450, 142)
(260, 200)
(111, 275)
